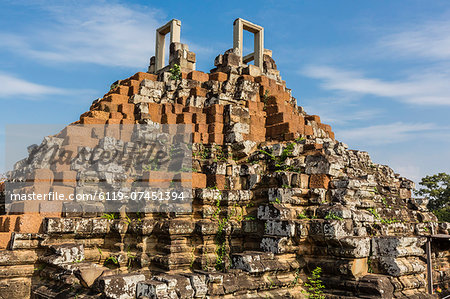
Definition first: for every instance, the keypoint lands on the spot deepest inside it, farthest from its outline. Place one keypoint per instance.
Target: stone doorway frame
(174, 27)
(239, 25)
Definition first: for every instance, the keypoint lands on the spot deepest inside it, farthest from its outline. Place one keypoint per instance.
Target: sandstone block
(218, 76)
(198, 76)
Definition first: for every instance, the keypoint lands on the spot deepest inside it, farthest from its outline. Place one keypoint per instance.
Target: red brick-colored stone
(216, 180)
(198, 91)
(66, 178)
(127, 121)
(201, 128)
(315, 118)
(309, 130)
(199, 118)
(185, 118)
(215, 138)
(247, 78)
(139, 76)
(198, 76)
(116, 115)
(92, 121)
(29, 223)
(216, 128)
(218, 76)
(263, 80)
(155, 111)
(117, 99)
(42, 175)
(5, 237)
(214, 109)
(99, 114)
(123, 90)
(126, 108)
(198, 180)
(114, 121)
(319, 181)
(108, 106)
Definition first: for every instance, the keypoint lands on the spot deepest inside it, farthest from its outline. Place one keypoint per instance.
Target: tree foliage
(314, 285)
(437, 189)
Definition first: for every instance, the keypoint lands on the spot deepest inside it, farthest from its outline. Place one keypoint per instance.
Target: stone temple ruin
(274, 196)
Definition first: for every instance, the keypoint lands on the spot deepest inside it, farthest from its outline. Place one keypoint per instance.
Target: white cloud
(341, 110)
(430, 40)
(385, 134)
(409, 171)
(97, 32)
(425, 89)
(13, 86)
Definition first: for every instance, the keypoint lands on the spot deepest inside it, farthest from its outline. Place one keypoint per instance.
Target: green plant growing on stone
(272, 283)
(302, 216)
(286, 186)
(265, 97)
(332, 216)
(100, 253)
(205, 257)
(111, 259)
(249, 218)
(294, 282)
(110, 216)
(205, 153)
(77, 261)
(217, 204)
(280, 162)
(381, 219)
(191, 265)
(220, 239)
(369, 265)
(154, 165)
(131, 258)
(267, 154)
(175, 72)
(40, 267)
(287, 151)
(240, 215)
(314, 285)
(299, 139)
(220, 155)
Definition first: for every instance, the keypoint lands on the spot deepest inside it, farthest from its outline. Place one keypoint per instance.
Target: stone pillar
(174, 27)
(239, 26)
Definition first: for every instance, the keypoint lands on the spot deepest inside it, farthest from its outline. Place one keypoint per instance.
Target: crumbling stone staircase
(275, 196)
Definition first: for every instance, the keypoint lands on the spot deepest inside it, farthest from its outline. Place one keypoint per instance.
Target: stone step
(121, 286)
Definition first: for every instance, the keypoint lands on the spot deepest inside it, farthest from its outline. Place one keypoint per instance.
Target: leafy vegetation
(175, 72)
(302, 216)
(111, 259)
(437, 189)
(110, 216)
(280, 161)
(314, 285)
(382, 220)
(332, 216)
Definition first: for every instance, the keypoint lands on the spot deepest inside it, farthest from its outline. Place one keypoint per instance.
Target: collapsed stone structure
(275, 196)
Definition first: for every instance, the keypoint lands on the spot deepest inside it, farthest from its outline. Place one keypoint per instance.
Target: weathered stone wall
(275, 195)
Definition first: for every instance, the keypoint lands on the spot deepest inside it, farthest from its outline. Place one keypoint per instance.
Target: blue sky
(377, 71)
